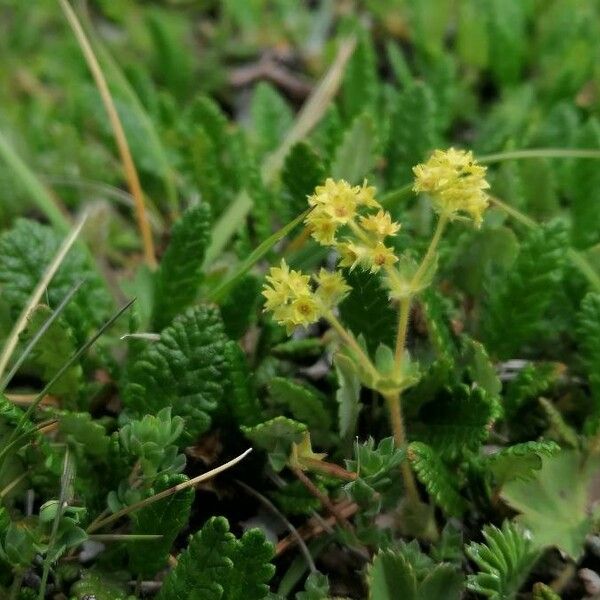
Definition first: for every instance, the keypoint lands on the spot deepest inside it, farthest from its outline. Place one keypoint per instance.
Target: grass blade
(129, 169)
(36, 190)
(221, 291)
(37, 293)
(42, 330)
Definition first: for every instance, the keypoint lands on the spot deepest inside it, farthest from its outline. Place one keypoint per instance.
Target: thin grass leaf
(221, 291)
(37, 294)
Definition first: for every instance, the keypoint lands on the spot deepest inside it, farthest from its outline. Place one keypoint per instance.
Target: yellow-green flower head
(289, 296)
(380, 225)
(455, 182)
(332, 288)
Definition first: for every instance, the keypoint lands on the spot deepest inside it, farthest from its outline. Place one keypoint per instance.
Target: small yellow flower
(351, 254)
(305, 310)
(455, 182)
(322, 228)
(380, 224)
(289, 297)
(380, 256)
(332, 287)
(366, 195)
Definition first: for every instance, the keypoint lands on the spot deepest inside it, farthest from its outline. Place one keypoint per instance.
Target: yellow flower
(351, 254)
(380, 224)
(366, 195)
(380, 256)
(332, 287)
(304, 310)
(455, 182)
(322, 227)
(289, 297)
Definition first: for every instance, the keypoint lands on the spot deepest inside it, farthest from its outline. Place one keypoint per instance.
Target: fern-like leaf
(217, 566)
(180, 274)
(25, 251)
(166, 518)
(457, 422)
(241, 399)
(504, 560)
(523, 296)
(185, 369)
(437, 478)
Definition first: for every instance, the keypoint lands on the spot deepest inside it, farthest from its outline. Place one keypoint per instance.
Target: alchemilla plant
(299, 300)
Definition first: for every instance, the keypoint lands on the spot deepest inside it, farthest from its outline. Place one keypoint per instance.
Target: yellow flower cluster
(455, 182)
(344, 217)
(292, 300)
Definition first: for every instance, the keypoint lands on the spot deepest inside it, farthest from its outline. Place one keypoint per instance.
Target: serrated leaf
(347, 395)
(523, 296)
(271, 117)
(366, 311)
(391, 576)
(436, 477)
(359, 86)
(242, 399)
(559, 428)
(585, 190)
(544, 592)
(519, 461)
(217, 566)
(51, 351)
(302, 171)
(316, 587)
(305, 403)
(82, 429)
(167, 518)
(239, 308)
(588, 336)
(25, 251)
(184, 370)
(553, 503)
(355, 156)
(295, 499)
(457, 422)
(178, 278)
(276, 436)
(412, 133)
(444, 582)
(504, 560)
(480, 367)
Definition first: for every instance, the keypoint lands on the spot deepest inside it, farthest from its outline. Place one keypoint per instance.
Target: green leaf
(412, 133)
(276, 437)
(585, 190)
(588, 336)
(239, 308)
(367, 311)
(305, 404)
(185, 370)
(391, 576)
(523, 296)
(437, 478)
(519, 461)
(347, 395)
(559, 428)
(457, 422)
(504, 560)
(544, 592)
(271, 117)
(167, 518)
(360, 84)
(438, 326)
(217, 566)
(316, 587)
(355, 156)
(241, 400)
(25, 251)
(50, 352)
(480, 367)
(302, 171)
(295, 499)
(180, 273)
(81, 429)
(553, 504)
(99, 585)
